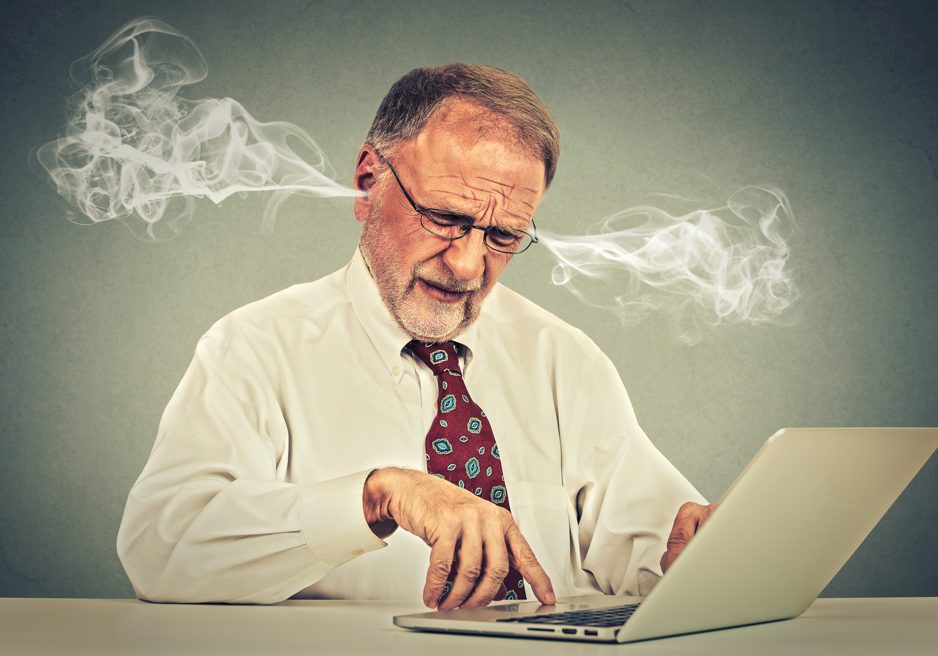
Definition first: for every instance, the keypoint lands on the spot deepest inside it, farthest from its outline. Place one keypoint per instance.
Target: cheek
(405, 239)
(493, 270)
(419, 247)
(494, 266)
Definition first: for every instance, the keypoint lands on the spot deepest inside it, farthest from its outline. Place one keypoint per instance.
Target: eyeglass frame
(423, 213)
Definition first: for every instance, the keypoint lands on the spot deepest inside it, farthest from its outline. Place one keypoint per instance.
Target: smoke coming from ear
(705, 268)
(136, 151)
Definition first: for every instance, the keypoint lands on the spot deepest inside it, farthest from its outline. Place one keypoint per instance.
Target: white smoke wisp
(134, 150)
(709, 267)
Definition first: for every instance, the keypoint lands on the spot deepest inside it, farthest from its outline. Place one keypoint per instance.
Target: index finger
(441, 561)
(526, 563)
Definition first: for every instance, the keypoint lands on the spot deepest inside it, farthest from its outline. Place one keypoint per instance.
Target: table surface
(859, 627)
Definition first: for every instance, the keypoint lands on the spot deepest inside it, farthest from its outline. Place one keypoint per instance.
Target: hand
(690, 517)
(476, 537)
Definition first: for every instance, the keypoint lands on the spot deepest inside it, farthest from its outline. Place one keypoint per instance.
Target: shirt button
(396, 371)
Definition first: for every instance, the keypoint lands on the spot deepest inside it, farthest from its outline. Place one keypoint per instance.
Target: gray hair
(414, 98)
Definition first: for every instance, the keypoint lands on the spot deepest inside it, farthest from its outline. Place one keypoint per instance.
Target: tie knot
(439, 357)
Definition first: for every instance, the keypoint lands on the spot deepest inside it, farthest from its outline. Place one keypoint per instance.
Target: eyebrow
(450, 210)
(505, 184)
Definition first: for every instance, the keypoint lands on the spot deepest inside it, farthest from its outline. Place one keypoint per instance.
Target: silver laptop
(784, 528)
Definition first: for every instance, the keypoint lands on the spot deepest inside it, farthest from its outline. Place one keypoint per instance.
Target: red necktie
(460, 444)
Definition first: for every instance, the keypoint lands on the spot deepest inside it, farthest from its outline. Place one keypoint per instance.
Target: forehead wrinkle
(489, 192)
(501, 188)
(509, 198)
(486, 204)
(506, 191)
(500, 184)
(448, 196)
(464, 182)
(478, 199)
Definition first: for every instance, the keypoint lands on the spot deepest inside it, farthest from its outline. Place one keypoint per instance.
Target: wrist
(376, 502)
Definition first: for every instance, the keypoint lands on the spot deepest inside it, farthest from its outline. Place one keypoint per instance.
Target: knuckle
(439, 569)
(463, 512)
(448, 521)
(676, 541)
(497, 572)
(680, 533)
(493, 512)
(687, 508)
(476, 516)
(527, 555)
(471, 572)
(505, 516)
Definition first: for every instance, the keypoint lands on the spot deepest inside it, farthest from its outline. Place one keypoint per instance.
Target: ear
(365, 179)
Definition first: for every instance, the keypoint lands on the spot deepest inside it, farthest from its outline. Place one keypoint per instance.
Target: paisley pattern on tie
(460, 444)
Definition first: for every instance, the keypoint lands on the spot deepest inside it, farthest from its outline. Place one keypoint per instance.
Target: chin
(430, 331)
(431, 321)
(430, 335)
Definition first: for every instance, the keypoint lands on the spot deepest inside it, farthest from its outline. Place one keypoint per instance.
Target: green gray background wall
(834, 102)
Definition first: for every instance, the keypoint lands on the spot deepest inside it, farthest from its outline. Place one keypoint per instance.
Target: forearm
(247, 541)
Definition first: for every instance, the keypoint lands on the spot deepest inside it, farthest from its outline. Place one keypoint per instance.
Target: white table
(858, 627)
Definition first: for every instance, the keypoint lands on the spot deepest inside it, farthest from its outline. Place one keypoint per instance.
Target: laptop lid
(784, 528)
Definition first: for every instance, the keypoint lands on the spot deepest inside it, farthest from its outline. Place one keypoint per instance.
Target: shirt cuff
(333, 519)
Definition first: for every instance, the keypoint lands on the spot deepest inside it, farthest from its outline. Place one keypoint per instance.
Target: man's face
(432, 286)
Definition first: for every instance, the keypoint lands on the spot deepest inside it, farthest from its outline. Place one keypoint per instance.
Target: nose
(465, 257)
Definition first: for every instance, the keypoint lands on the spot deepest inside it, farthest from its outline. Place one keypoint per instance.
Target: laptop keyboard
(612, 616)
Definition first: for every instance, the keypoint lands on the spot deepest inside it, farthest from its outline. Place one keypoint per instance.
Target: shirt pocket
(543, 513)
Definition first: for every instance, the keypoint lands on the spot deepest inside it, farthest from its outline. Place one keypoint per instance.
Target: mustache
(447, 281)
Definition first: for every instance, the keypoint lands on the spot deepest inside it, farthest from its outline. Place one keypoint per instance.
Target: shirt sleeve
(213, 518)
(627, 493)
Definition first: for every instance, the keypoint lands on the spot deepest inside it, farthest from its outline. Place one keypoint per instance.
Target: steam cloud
(705, 268)
(135, 151)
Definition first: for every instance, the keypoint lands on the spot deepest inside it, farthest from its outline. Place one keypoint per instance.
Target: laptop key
(602, 617)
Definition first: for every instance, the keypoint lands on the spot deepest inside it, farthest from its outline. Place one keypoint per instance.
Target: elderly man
(332, 439)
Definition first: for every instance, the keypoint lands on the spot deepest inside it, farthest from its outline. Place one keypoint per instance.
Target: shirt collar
(468, 340)
(388, 338)
(385, 334)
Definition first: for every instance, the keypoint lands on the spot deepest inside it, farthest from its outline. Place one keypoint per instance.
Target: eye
(445, 220)
(504, 237)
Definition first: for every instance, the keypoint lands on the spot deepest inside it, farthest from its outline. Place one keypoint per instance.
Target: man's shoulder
(521, 319)
(305, 304)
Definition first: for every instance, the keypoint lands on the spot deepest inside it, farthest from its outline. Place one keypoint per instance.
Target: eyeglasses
(453, 226)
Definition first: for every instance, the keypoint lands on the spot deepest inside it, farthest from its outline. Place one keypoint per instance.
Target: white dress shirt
(253, 489)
